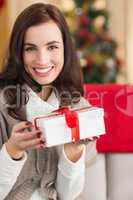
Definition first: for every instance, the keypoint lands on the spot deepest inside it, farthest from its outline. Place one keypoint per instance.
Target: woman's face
(43, 53)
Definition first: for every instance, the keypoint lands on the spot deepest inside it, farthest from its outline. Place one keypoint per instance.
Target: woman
(40, 54)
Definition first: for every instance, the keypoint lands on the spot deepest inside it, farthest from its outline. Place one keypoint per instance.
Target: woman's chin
(43, 82)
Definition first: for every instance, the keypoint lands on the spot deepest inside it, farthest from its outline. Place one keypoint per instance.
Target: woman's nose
(43, 58)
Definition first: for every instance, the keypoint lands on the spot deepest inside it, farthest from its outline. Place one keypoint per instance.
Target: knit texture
(40, 169)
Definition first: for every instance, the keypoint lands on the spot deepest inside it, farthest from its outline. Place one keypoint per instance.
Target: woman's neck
(45, 93)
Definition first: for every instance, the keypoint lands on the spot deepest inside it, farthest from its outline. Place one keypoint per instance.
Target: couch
(110, 175)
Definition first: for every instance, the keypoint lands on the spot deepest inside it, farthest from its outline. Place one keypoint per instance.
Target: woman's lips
(43, 71)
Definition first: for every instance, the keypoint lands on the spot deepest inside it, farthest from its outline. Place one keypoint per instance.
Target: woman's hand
(23, 138)
(74, 150)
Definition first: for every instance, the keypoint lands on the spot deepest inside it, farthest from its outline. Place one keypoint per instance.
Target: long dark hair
(70, 78)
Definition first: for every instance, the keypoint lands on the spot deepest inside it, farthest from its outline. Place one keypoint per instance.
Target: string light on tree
(91, 35)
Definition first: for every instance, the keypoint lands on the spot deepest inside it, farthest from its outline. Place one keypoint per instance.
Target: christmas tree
(89, 24)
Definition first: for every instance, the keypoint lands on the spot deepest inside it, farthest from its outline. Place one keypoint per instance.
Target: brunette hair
(70, 78)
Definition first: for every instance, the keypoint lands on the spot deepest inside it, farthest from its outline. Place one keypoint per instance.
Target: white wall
(16, 6)
(4, 29)
(121, 28)
(129, 39)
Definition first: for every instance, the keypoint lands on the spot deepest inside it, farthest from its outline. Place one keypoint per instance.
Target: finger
(84, 141)
(95, 137)
(28, 135)
(21, 126)
(40, 146)
(87, 140)
(32, 143)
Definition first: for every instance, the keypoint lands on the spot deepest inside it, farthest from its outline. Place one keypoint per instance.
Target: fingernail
(95, 137)
(41, 146)
(28, 123)
(38, 134)
(90, 138)
(42, 141)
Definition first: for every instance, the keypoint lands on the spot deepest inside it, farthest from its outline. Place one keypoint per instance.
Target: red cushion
(117, 101)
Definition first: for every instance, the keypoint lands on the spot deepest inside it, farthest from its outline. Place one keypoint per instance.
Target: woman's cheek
(26, 59)
(59, 58)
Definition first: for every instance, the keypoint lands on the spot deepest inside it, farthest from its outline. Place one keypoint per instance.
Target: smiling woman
(44, 52)
(41, 57)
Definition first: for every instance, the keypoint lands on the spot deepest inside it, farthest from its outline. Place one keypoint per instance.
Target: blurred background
(102, 31)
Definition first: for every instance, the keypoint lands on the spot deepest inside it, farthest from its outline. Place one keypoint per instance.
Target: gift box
(67, 125)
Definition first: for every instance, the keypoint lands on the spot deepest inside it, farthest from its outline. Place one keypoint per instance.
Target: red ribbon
(72, 121)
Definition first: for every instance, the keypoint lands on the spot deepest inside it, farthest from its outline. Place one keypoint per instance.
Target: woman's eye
(29, 48)
(52, 47)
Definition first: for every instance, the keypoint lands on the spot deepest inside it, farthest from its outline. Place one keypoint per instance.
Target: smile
(43, 71)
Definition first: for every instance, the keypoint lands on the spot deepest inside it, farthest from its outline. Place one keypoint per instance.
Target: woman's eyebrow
(52, 42)
(47, 44)
(29, 44)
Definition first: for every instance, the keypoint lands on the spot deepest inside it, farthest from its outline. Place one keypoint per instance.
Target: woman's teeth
(43, 70)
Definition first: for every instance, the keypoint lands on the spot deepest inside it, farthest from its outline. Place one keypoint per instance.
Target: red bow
(72, 121)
